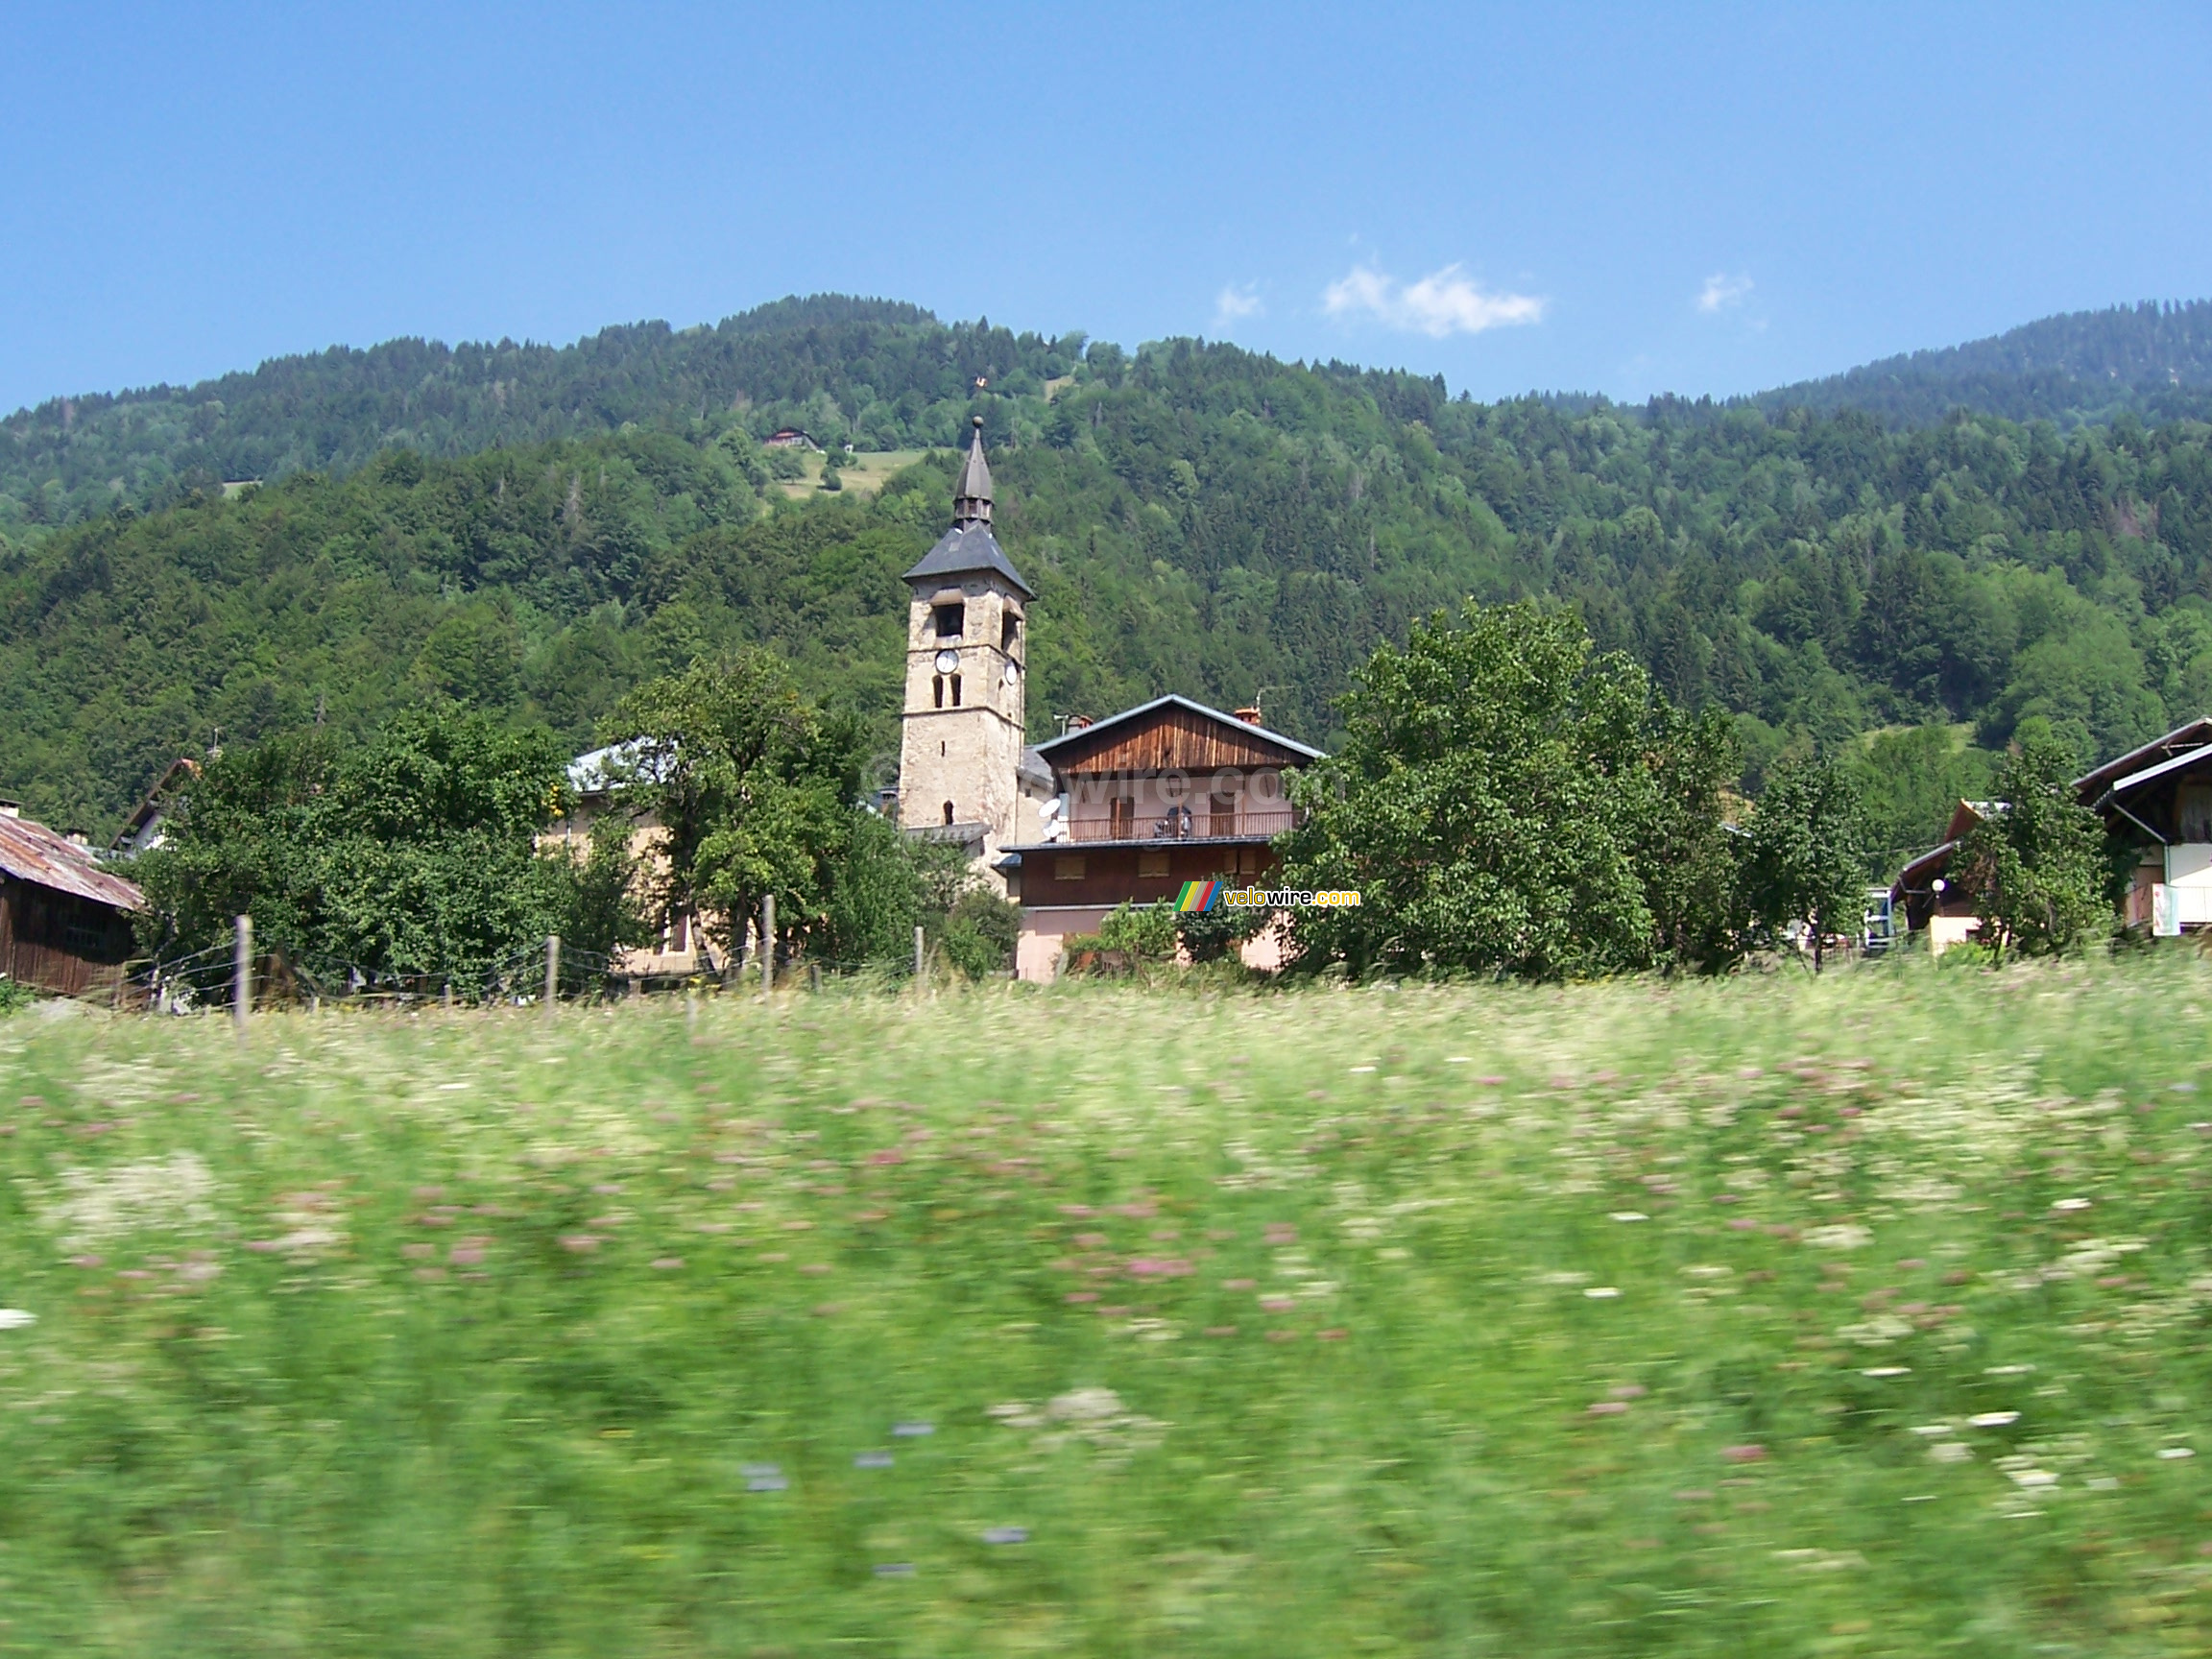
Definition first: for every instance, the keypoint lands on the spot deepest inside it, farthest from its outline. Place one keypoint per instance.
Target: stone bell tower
(960, 747)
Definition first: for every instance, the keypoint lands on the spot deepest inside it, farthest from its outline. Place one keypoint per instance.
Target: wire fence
(207, 981)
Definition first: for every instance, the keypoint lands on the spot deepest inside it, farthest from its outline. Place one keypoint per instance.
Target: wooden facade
(1164, 794)
(59, 942)
(65, 922)
(1174, 736)
(1077, 872)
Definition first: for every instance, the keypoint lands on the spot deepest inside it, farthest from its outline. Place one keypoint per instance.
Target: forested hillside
(1196, 517)
(875, 373)
(2151, 359)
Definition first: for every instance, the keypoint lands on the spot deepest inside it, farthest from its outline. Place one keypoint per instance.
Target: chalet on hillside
(65, 922)
(789, 437)
(2156, 801)
(1168, 792)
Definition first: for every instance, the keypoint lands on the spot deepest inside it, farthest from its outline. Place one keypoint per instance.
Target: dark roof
(2151, 774)
(30, 852)
(971, 495)
(969, 550)
(2195, 734)
(1083, 734)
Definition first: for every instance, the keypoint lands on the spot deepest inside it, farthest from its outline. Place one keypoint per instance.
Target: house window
(940, 690)
(948, 814)
(1121, 817)
(2192, 807)
(949, 621)
(679, 932)
(1221, 816)
(1152, 864)
(1068, 869)
(955, 690)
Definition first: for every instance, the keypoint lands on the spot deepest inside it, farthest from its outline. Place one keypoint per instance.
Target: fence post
(242, 970)
(552, 973)
(918, 967)
(767, 944)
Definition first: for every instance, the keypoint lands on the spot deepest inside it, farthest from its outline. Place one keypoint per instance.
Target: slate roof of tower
(969, 548)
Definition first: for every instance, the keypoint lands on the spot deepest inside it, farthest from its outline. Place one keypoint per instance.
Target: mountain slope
(1196, 518)
(2152, 359)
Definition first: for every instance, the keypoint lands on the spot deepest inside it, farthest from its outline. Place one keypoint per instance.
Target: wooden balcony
(1180, 826)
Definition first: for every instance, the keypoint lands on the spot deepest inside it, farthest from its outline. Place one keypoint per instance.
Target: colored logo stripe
(1198, 897)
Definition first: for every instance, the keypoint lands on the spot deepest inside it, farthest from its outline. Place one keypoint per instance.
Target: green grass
(866, 472)
(462, 1335)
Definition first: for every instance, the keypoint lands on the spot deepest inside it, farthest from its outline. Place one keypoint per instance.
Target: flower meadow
(1778, 1317)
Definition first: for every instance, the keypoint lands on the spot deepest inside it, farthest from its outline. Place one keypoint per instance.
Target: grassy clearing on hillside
(866, 472)
(1764, 1317)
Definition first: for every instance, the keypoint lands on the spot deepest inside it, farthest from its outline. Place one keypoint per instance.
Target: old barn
(65, 922)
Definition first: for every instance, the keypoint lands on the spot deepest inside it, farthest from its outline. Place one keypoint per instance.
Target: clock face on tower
(948, 661)
(1012, 673)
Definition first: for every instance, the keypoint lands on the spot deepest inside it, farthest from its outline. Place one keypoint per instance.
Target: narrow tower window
(955, 690)
(947, 813)
(940, 690)
(1009, 632)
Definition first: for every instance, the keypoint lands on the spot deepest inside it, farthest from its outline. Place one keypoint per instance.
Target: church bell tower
(967, 668)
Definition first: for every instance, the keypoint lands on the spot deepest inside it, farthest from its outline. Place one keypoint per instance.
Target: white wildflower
(15, 1319)
(1951, 1452)
(1993, 1419)
(97, 1205)
(1602, 1292)
(1841, 1236)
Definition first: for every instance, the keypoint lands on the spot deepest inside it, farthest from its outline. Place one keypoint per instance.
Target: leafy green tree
(1909, 782)
(748, 785)
(413, 854)
(979, 932)
(2036, 866)
(1213, 935)
(1804, 853)
(1507, 803)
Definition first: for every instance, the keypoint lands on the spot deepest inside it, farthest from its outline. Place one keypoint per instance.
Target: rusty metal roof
(30, 852)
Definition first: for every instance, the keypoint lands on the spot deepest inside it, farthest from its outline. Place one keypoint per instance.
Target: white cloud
(1723, 292)
(1234, 303)
(1440, 304)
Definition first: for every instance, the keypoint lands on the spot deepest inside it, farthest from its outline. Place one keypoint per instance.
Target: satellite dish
(948, 661)
(1012, 673)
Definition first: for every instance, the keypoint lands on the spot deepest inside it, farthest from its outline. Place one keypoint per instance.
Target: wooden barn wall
(1174, 739)
(35, 955)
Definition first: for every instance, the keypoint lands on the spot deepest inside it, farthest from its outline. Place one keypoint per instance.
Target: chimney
(1076, 722)
(79, 838)
(1249, 714)
(10, 809)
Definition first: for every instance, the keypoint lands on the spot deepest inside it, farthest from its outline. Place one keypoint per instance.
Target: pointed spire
(972, 496)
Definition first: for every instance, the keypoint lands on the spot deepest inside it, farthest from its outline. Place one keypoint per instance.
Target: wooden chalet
(2156, 801)
(1168, 792)
(65, 922)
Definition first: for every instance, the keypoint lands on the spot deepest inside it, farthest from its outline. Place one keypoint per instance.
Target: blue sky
(1626, 199)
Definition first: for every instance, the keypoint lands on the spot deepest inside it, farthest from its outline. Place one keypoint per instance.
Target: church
(1123, 809)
